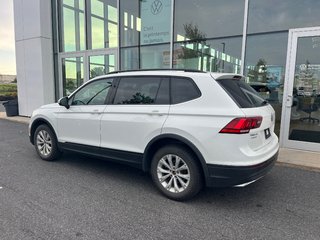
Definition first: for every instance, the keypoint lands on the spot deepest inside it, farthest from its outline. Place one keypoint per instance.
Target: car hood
(52, 105)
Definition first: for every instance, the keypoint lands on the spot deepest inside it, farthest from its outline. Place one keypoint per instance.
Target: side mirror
(64, 101)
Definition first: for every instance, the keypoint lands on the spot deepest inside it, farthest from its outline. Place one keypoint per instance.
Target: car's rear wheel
(176, 173)
(45, 143)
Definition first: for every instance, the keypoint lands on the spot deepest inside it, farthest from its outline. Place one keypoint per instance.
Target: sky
(7, 42)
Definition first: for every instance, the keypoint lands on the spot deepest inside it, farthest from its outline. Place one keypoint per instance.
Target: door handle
(289, 101)
(96, 111)
(155, 112)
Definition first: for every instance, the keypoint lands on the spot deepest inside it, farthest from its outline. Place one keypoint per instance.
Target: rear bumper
(227, 176)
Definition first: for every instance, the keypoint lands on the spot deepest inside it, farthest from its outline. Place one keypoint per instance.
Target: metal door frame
(85, 55)
(294, 34)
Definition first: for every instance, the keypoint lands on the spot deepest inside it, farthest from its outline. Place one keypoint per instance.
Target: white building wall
(34, 54)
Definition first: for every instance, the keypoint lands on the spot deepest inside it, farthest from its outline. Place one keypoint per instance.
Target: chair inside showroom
(307, 105)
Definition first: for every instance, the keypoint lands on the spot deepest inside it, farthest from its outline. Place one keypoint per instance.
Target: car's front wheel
(176, 173)
(45, 143)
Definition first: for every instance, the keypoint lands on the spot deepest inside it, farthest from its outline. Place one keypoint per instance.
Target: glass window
(275, 15)
(265, 60)
(145, 22)
(72, 74)
(163, 96)
(103, 24)
(95, 93)
(137, 90)
(265, 68)
(72, 26)
(155, 56)
(101, 65)
(151, 57)
(183, 90)
(129, 22)
(130, 58)
(198, 19)
(244, 95)
(220, 55)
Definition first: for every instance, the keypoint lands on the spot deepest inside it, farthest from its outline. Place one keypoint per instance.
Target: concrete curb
(298, 166)
(287, 157)
(19, 119)
(299, 159)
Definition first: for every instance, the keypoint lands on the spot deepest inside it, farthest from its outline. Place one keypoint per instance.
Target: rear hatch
(252, 105)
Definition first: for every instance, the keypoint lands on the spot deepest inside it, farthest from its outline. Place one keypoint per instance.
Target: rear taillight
(242, 125)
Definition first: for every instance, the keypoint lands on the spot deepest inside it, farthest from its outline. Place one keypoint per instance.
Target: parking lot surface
(84, 198)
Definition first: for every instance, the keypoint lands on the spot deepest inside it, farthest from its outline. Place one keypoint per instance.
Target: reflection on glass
(275, 15)
(101, 65)
(97, 33)
(129, 58)
(214, 18)
(151, 57)
(222, 55)
(145, 22)
(104, 24)
(305, 110)
(72, 74)
(265, 68)
(155, 56)
(128, 24)
(73, 29)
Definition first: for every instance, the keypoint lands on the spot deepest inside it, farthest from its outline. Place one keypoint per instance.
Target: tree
(197, 38)
(97, 71)
(259, 73)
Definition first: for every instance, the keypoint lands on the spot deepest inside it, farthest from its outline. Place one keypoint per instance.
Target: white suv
(186, 128)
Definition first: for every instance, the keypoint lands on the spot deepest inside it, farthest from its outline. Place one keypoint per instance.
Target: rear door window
(242, 93)
(142, 90)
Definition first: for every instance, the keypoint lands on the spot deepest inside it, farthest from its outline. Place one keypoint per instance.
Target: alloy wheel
(44, 143)
(173, 173)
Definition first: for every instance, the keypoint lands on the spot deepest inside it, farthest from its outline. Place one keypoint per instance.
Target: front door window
(94, 93)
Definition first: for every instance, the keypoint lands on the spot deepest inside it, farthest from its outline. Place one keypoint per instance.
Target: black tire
(195, 181)
(44, 132)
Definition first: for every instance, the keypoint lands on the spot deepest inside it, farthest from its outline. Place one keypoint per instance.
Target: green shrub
(8, 91)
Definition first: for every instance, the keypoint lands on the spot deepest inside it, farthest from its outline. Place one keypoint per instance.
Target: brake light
(242, 125)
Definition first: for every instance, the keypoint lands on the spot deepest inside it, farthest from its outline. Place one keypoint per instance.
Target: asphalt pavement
(84, 198)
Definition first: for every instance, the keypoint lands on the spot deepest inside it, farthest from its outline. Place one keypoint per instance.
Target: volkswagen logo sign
(156, 7)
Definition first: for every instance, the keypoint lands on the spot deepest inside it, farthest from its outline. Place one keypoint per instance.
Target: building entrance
(300, 126)
(78, 67)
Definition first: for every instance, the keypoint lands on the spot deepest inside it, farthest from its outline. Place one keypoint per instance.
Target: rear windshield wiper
(265, 102)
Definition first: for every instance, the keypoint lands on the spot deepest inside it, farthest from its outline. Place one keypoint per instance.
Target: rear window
(242, 93)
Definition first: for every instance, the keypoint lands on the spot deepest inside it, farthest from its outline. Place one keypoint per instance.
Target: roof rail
(157, 69)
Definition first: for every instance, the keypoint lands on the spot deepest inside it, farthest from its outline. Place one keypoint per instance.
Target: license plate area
(267, 133)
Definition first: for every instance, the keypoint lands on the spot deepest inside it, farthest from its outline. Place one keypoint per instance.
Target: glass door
(78, 67)
(301, 111)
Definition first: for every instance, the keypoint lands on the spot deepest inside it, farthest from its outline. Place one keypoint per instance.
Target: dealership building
(61, 44)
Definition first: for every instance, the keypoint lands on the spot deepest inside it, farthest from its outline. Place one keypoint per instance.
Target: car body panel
(131, 127)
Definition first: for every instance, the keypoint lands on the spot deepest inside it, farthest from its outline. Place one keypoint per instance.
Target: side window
(137, 90)
(163, 96)
(94, 93)
(183, 90)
